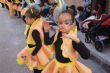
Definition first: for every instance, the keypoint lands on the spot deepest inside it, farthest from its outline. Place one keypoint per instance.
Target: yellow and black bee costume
(66, 55)
(43, 55)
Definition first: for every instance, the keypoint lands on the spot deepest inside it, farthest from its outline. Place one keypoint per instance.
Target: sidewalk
(103, 58)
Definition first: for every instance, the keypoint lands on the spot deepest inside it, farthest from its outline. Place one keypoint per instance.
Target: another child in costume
(67, 46)
(17, 4)
(36, 54)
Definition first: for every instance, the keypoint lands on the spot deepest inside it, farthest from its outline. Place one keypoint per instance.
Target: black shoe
(37, 71)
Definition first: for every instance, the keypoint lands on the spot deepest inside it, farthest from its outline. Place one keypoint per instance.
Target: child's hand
(73, 37)
(46, 26)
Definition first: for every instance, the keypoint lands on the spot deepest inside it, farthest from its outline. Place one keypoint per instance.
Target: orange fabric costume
(42, 58)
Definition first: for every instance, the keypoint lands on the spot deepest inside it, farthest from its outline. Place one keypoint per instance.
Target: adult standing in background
(37, 2)
(45, 1)
(86, 3)
(87, 9)
(102, 4)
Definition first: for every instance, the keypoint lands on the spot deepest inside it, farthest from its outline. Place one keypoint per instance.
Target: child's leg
(15, 13)
(7, 6)
(23, 18)
(37, 71)
(19, 14)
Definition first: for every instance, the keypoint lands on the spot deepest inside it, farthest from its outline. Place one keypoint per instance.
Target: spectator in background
(86, 3)
(78, 17)
(53, 5)
(73, 7)
(37, 2)
(89, 22)
(93, 16)
(87, 8)
(102, 4)
(44, 1)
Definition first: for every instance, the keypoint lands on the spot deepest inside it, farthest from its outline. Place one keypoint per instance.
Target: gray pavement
(12, 40)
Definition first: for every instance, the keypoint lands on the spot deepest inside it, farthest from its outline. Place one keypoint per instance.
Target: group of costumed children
(55, 54)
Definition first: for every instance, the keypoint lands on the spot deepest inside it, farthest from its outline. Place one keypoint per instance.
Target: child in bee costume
(67, 46)
(25, 6)
(36, 54)
(17, 4)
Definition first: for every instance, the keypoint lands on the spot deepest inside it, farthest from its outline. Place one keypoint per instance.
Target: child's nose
(61, 26)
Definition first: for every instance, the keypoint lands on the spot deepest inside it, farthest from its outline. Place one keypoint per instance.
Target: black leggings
(37, 71)
(23, 18)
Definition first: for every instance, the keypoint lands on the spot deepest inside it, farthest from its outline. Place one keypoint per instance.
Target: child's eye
(68, 22)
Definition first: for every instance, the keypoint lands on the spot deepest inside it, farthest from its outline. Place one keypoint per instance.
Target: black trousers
(37, 71)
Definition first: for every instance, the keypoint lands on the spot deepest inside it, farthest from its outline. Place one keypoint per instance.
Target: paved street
(12, 40)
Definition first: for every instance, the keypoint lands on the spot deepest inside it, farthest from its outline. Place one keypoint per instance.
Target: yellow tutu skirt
(73, 67)
(40, 60)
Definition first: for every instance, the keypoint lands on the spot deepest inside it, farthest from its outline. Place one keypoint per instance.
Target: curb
(101, 60)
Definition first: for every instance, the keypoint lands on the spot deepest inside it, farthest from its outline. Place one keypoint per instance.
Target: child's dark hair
(55, 4)
(32, 13)
(80, 8)
(73, 7)
(69, 12)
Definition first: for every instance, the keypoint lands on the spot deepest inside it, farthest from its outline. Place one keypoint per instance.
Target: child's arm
(81, 49)
(37, 39)
(48, 40)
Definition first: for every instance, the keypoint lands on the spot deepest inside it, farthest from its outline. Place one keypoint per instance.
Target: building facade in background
(105, 4)
(71, 2)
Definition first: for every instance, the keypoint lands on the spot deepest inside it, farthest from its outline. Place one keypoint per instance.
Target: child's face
(29, 21)
(65, 22)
